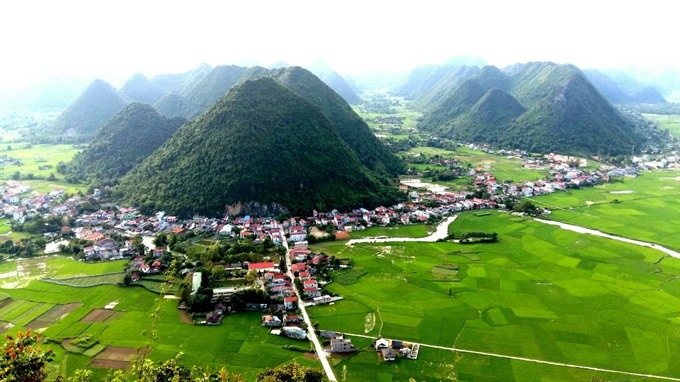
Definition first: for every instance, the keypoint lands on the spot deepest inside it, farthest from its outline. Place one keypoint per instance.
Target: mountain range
(260, 147)
(538, 107)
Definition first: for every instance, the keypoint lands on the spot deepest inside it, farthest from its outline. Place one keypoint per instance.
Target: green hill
(89, 112)
(204, 93)
(260, 147)
(127, 139)
(343, 120)
(554, 108)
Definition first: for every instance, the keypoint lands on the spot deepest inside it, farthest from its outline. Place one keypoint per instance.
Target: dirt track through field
(51, 316)
(115, 357)
(100, 315)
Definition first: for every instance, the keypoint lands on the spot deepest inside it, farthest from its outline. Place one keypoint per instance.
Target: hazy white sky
(114, 39)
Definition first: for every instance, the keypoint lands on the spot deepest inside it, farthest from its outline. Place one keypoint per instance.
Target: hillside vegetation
(343, 120)
(260, 146)
(127, 139)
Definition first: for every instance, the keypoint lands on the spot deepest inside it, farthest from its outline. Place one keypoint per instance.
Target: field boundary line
(517, 358)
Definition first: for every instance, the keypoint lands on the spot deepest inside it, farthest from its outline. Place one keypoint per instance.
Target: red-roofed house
(266, 267)
(290, 302)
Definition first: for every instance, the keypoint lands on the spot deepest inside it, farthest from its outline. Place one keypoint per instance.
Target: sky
(112, 40)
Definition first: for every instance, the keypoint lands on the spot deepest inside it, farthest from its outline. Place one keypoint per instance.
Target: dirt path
(185, 317)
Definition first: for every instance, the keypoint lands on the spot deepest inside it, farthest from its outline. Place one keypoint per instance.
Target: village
(93, 230)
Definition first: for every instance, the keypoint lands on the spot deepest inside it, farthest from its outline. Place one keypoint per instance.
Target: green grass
(5, 226)
(540, 292)
(671, 123)
(653, 201)
(239, 343)
(37, 156)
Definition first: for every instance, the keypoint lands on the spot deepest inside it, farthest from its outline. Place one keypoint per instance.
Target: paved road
(310, 329)
(441, 232)
(455, 349)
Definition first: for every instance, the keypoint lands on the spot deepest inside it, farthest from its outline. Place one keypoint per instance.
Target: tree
(251, 276)
(292, 372)
(22, 360)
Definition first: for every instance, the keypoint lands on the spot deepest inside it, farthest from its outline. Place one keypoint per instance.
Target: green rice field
(645, 208)
(239, 343)
(540, 292)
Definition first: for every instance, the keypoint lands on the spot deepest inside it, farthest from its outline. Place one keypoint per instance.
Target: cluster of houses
(388, 350)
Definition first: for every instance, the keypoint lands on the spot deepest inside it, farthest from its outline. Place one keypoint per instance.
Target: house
(297, 233)
(312, 292)
(291, 319)
(294, 332)
(264, 267)
(290, 302)
(298, 267)
(310, 283)
(341, 345)
(388, 355)
(382, 343)
(271, 321)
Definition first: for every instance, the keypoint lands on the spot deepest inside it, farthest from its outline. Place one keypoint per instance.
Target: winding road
(440, 233)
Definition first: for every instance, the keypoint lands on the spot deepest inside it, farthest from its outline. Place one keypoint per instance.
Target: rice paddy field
(540, 292)
(645, 208)
(67, 314)
(37, 158)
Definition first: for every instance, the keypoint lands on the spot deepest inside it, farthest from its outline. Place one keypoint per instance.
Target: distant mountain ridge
(261, 145)
(623, 89)
(89, 112)
(539, 107)
(206, 91)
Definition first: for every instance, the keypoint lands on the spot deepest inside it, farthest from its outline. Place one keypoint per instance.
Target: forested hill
(89, 112)
(262, 146)
(127, 138)
(539, 107)
(209, 88)
(343, 120)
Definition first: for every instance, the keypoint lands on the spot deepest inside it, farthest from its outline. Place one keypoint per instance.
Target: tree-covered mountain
(260, 145)
(343, 120)
(140, 89)
(204, 93)
(538, 106)
(89, 112)
(428, 84)
(619, 88)
(127, 138)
